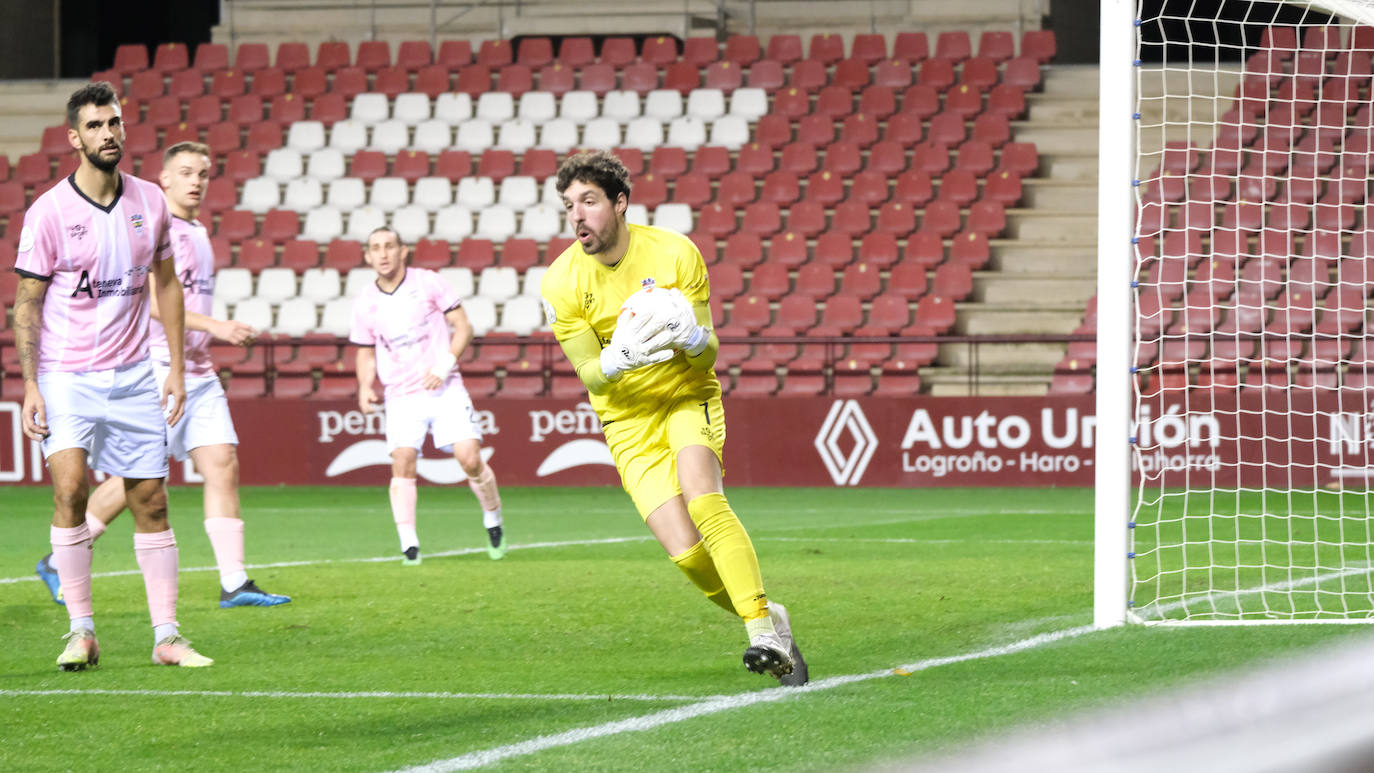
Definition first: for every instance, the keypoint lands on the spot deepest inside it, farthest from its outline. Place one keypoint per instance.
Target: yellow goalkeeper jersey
(581, 292)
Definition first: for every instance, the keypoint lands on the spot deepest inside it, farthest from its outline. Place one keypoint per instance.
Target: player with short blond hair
(630, 306)
(410, 328)
(88, 250)
(206, 434)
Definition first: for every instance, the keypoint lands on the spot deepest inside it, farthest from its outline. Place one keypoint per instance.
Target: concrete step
(1028, 257)
(1072, 80)
(1027, 289)
(986, 319)
(1051, 225)
(1003, 358)
(1058, 195)
(942, 382)
(1076, 138)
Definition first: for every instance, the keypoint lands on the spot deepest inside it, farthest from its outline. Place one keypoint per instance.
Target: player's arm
(583, 350)
(705, 357)
(169, 306)
(365, 364)
(228, 330)
(28, 324)
(462, 331)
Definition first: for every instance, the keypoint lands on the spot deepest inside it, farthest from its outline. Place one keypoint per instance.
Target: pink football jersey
(195, 262)
(97, 259)
(407, 327)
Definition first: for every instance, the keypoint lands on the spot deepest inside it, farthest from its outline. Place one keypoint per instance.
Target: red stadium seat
(576, 52)
(515, 79)
(474, 80)
(938, 74)
(766, 74)
(744, 250)
(785, 48)
(681, 77)
(742, 50)
(1039, 45)
(298, 254)
(911, 47)
(788, 249)
(171, 57)
(414, 55)
(808, 75)
(454, 54)
(833, 250)
(660, 50)
(770, 280)
(826, 48)
(806, 217)
(713, 161)
(850, 74)
(534, 52)
(495, 53)
(373, 55)
(639, 77)
(897, 218)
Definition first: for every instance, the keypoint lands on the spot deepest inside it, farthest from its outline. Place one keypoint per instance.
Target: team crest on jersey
(646, 283)
(137, 220)
(77, 231)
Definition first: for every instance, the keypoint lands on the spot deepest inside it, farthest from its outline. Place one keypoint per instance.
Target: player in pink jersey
(401, 326)
(206, 434)
(88, 249)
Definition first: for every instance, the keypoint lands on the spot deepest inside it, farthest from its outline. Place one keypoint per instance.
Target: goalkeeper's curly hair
(597, 167)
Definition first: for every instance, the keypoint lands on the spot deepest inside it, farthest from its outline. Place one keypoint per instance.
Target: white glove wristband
(444, 366)
(696, 343)
(613, 362)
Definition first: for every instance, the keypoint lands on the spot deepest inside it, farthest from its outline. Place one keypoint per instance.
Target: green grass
(558, 638)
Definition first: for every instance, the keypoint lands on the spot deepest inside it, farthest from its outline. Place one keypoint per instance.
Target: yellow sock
(732, 553)
(696, 563)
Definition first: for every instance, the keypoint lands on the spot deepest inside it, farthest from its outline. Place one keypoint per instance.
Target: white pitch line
(716, 705)
(356, 695)
(372, 560)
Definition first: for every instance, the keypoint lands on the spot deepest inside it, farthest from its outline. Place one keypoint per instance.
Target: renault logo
(846, 417)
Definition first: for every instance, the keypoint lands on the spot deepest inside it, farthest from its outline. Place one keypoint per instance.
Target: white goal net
(1251, 360)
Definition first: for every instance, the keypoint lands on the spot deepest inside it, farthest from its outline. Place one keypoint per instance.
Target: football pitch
(930, 618)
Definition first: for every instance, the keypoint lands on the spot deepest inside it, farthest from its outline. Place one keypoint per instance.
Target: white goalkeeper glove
(680, 328)
(443, 366)
(626, 350)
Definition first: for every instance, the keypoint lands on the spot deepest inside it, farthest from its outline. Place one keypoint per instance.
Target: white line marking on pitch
(716, 705)
(355, 695)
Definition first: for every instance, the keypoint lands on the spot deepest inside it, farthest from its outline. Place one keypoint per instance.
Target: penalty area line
(719, 704)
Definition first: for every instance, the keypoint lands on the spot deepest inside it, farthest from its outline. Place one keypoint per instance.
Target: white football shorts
(114, 414)
(206, 421)
(446, 413)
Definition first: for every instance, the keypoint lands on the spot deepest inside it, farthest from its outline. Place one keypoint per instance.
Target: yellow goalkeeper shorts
(645, 447)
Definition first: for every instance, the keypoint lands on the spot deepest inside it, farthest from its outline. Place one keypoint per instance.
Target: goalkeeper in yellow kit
(648, 369)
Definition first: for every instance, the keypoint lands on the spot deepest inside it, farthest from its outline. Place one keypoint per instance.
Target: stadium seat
(765, 74)
(1039, 45)
(808, 76)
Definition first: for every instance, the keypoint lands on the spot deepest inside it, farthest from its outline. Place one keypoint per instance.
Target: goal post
(1235, 356)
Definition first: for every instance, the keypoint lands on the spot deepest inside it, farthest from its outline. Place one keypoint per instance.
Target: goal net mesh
(1253, 364)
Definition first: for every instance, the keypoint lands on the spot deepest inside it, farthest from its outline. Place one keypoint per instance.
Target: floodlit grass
(375, 666)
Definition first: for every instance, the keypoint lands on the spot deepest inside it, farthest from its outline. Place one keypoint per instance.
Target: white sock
(233, 581)
(83, 624)
(409, 539)
(163, 630)
(491, 518)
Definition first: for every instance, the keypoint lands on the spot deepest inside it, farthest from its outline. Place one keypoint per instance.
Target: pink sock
(71, 557)
(485, 489)
(403, 497)
(226, 540)
(96, 526)
(157, 559)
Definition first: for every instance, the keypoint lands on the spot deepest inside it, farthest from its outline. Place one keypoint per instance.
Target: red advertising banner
(1259, 438)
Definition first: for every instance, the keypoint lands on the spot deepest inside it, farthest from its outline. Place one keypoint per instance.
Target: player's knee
(69, 501)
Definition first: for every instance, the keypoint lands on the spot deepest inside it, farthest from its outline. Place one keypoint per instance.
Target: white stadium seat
(749, 103)
(540, 223)
(283, 164)
(452, 223)
(674, 217)
(663, 105)
(644, 133)
(357, 280)
(498, 283)
(276, 284)
(476, 192)
(475, 136)
(687, 132)
(303, 195)
(432, 136)
(622, 106)
(537, 107)
(529, 283)
(348, 137)
(364, 221)
(411, 223)
(730, 131)
(578, 106)
(706, 104)
(637, 214)
(453, 107)
(495, 106)
(296, 317)
(254, 312)
(518, 192)
(521, 315)
(370, 109)
(481, 313)
(337, 317)
(305, 136)
(346, 193)
(233, 285)
(390, 137)
(459, 278)
(322, 224)
(433, 193)
(558, 135)
(320, 284)
(411, 108)
(516, 135)
(259, 195)
(325, 164)
(389, 193)
(496, 223)
(601, 133)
